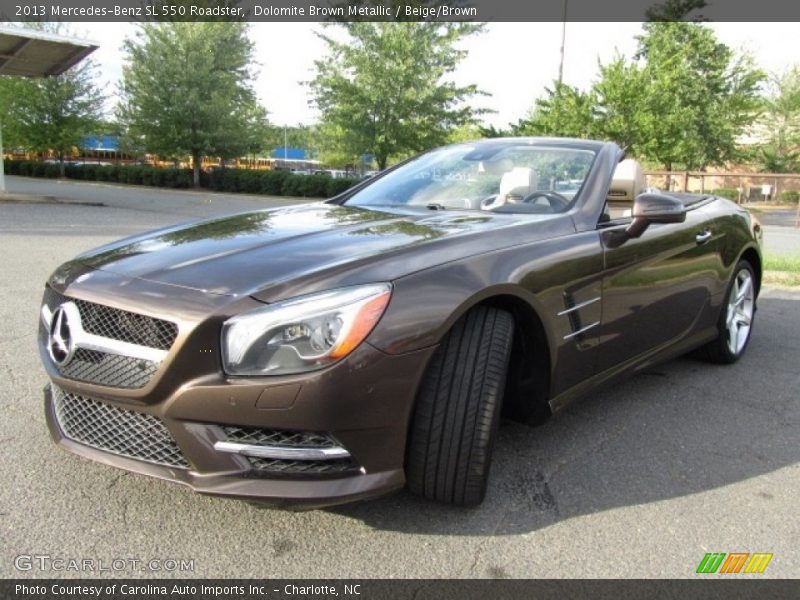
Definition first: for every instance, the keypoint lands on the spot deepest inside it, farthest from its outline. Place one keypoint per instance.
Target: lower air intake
(115, 430)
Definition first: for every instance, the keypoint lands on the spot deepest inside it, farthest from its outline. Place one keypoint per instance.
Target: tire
(458, 409)
(736, 318)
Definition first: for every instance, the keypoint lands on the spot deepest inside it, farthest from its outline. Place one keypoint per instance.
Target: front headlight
(304, 333)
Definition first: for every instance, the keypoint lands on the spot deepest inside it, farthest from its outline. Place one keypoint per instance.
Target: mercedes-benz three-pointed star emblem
(60, 343)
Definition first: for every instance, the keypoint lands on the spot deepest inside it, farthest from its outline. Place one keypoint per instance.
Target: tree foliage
(698, 97)
(385, 90)
(779, 124)
(563, 111)
(187, 89)
(683, 101)
(676, 10)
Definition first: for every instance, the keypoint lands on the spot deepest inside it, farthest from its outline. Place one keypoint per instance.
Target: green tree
(563, 111)
(619, 114)
(779, 124)
(51, 113)
(187, 90)
(386, 91)
(675, 10)
(697, 97)
(684, 100)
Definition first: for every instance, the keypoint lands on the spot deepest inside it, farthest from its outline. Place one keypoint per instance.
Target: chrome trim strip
(577, 306)
(281, 452)
(581, 330)
(47, 316)
(90, 341)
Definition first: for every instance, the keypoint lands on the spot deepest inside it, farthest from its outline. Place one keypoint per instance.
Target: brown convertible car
(332, 351)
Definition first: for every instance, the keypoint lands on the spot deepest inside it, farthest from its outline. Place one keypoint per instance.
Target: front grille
(117, 324)
(116, 430)
(289, 439)
(113, 370)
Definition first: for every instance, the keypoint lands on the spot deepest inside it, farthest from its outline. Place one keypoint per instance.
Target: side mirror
(654, 208)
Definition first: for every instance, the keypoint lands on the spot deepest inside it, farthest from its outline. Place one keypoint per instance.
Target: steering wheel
(554, 199)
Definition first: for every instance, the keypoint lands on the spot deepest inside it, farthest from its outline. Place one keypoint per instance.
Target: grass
(782, 269)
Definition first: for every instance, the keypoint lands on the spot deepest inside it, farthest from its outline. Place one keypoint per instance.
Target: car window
(513, 177)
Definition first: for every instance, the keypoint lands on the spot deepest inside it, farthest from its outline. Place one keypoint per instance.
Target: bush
(272, 183)
(52, 171)
(729, 193)
(790, 196)
(337, 186)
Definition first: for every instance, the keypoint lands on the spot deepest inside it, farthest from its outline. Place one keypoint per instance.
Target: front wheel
(736, 319)
(458, 409)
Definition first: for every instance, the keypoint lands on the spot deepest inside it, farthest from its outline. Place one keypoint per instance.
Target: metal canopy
(30, 53)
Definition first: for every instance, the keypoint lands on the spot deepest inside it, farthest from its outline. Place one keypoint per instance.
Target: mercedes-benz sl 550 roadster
(331, 351)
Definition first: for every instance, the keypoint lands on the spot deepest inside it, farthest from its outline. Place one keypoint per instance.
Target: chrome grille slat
(118, 431)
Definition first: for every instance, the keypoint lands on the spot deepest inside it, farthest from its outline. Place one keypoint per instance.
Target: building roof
(30, 53)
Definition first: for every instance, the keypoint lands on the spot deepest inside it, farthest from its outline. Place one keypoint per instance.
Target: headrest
(496, 167)
(628, 181)
(518, 182)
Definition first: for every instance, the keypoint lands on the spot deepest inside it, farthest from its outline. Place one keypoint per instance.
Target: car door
(656, 287)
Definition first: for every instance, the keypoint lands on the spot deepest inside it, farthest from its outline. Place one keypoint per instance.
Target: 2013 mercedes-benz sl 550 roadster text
(330, 351)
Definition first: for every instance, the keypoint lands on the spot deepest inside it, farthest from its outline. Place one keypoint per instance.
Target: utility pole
(2, 163)
(563, 43)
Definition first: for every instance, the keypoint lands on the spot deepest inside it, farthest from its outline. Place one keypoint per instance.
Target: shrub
(273, 183)
(52, 171)
(337, 186)
(791, 196)
(729, 193)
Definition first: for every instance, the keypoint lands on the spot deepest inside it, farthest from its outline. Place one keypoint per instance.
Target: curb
(15, 198)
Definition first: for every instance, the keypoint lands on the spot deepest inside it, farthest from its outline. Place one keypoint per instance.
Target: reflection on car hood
(243, 253)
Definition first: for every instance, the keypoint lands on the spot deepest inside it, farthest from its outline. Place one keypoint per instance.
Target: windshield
(513, 177)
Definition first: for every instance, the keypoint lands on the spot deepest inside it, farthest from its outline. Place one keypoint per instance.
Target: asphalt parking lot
(637, 481)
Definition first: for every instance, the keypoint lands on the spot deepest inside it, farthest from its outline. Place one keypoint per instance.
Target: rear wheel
(736, 319)
(458, 409)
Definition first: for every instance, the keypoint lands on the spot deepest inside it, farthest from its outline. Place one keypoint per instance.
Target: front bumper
(364, 402)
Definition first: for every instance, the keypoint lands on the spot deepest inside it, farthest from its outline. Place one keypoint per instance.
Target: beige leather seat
(628, 182)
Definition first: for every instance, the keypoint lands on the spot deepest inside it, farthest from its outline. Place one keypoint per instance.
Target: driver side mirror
(652, 207)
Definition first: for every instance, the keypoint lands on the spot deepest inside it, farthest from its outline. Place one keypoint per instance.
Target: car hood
(253, 252)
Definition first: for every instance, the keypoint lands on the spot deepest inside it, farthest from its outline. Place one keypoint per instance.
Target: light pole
(563, 43)
(2, 163)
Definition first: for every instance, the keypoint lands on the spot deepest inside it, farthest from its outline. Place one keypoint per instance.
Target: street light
(563, 43)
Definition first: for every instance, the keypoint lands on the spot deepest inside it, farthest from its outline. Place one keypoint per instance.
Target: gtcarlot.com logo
(734, 562)
(45, 562)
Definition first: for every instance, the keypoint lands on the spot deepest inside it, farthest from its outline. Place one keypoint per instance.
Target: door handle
(703, 237)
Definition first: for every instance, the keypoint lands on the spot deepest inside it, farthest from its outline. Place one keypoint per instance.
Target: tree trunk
(381, 160)
(61, 170)
(196, 168)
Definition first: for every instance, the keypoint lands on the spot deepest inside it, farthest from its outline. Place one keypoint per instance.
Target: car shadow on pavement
(681, 428)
